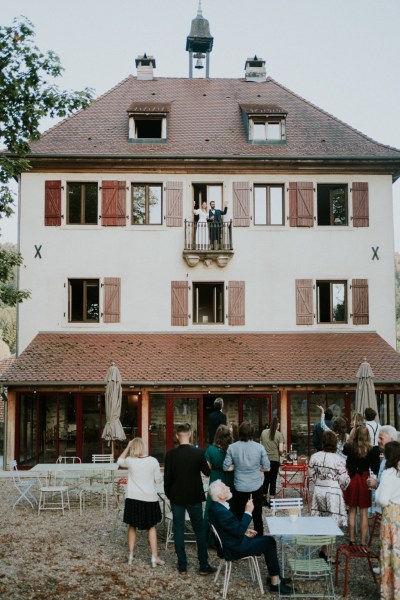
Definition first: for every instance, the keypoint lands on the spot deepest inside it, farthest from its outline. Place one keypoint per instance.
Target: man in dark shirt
(183, 486)
(215, 419)
(318, 432)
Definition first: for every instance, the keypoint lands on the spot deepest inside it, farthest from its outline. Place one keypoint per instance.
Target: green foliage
(27, 95)
(8, 327)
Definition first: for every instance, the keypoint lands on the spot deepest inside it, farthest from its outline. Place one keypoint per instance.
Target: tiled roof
(6, 363)
(181, 359)
(205, 120)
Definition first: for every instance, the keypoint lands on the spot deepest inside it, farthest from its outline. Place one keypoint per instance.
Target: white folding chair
(189, 533)
(70, 478)
(251, 560)
(292, 506)
(53, 496)
(102, 458)
(96, 483)
(23, 486)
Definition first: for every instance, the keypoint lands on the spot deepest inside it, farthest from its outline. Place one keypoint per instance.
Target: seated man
(238, 541)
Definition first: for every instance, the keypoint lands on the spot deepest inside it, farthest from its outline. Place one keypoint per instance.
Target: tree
(27, 95)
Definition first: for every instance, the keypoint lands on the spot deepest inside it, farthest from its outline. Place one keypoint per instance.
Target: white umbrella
(365, 392)
(113, 429)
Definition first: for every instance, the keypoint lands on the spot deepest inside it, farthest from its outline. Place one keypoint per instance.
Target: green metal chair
(308, 568)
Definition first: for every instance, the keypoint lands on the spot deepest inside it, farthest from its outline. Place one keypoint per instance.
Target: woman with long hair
(388, 496)
(361, 458)
(142, 508)
(339, 426)
(273, 441)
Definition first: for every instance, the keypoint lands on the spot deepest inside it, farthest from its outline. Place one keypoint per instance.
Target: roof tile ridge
(325, 112)
(117, 85)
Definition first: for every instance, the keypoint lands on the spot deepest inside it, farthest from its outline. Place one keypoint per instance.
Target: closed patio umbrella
(113, 429)
(365, 392)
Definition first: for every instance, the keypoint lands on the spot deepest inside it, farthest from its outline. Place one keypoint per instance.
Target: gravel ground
(81, 557)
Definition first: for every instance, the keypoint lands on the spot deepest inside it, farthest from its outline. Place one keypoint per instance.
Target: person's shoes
(352, 543)
(156, 561)
(376, 570)
(323, 555)
(281, 588)
(130, 559)
(207, 570)
(182, 568)
(285, 580)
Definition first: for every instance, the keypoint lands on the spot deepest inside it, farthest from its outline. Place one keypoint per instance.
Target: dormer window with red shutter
(148, 123)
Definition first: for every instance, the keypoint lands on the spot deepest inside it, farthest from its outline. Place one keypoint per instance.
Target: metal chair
(189, 533)
(70, 478)
(96, 483)
(306, 566)
(251, 560)
(53, 497)
(350, 552)
(294, 477)
(287, 504)
(102, 458)
(23, 486)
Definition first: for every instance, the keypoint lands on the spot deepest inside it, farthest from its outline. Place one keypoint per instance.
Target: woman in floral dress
(388, 496)
(328, 471)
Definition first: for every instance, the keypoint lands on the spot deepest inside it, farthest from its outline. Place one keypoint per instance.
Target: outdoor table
(284, 527)
(60, 467)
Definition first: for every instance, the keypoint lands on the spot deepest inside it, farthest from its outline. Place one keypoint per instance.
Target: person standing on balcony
(215, 217)
(202, 239)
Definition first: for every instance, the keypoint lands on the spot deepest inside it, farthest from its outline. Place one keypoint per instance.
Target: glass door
(186, 410)
(93, 423)
(256, 410)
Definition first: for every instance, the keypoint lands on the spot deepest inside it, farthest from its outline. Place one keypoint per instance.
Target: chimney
(255, 70)
(145, 65)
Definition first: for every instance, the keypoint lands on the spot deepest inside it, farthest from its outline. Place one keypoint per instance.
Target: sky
(342, 55)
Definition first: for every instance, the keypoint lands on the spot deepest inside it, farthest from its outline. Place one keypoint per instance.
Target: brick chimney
(145, 65)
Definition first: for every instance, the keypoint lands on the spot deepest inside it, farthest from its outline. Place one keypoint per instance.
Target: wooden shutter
(113, 203)
(304, 302)
(236, 305)
(174, 204)
(359, 289)
(360, 204)
(179, 303)
(301, 204)
(241, 203)
(112, 300)
(52, 203)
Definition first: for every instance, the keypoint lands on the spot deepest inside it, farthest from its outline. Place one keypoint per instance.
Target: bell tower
(199, 43)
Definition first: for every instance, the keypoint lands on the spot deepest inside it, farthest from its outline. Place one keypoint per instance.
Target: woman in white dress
(202, 237)
(328, 471)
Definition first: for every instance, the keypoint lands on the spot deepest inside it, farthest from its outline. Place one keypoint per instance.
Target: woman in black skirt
(142, 508)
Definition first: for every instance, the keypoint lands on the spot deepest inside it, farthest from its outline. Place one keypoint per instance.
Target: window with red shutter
(112, 300)
(304, 302)
(359, 288)
(301, 204)
(113, 203)
(236, 303)
(241, 203)
(179, 303)
(174, 204)
(360, 197)
(52, 203)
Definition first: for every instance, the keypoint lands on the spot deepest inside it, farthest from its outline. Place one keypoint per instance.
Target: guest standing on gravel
(142, 508)
(183, 486)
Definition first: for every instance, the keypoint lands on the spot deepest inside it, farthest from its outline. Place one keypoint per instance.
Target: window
(268, 205)
(331, 301)
(83, 300)
(332, 204)
(148, 122)
(267, 129)
(146, 204)
(208, 303)
(207, 192)
(82, 204)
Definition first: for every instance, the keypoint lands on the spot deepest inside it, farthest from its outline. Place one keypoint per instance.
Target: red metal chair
(294, 477)
(349, 552)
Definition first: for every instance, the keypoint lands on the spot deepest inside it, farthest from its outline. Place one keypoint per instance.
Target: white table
(283, 526)
(76, 467)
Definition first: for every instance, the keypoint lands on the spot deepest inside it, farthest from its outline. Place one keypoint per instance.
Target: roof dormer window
(148, 123)
(265, 124)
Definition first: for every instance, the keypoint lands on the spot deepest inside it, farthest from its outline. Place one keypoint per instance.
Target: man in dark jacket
(215, 419)
(318, 432)
(239, 541)
(215, 219)
(183, 486)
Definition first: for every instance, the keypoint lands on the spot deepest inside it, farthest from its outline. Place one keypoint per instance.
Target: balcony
(208, 243)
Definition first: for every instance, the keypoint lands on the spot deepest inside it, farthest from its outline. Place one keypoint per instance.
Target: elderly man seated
(239, 541)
